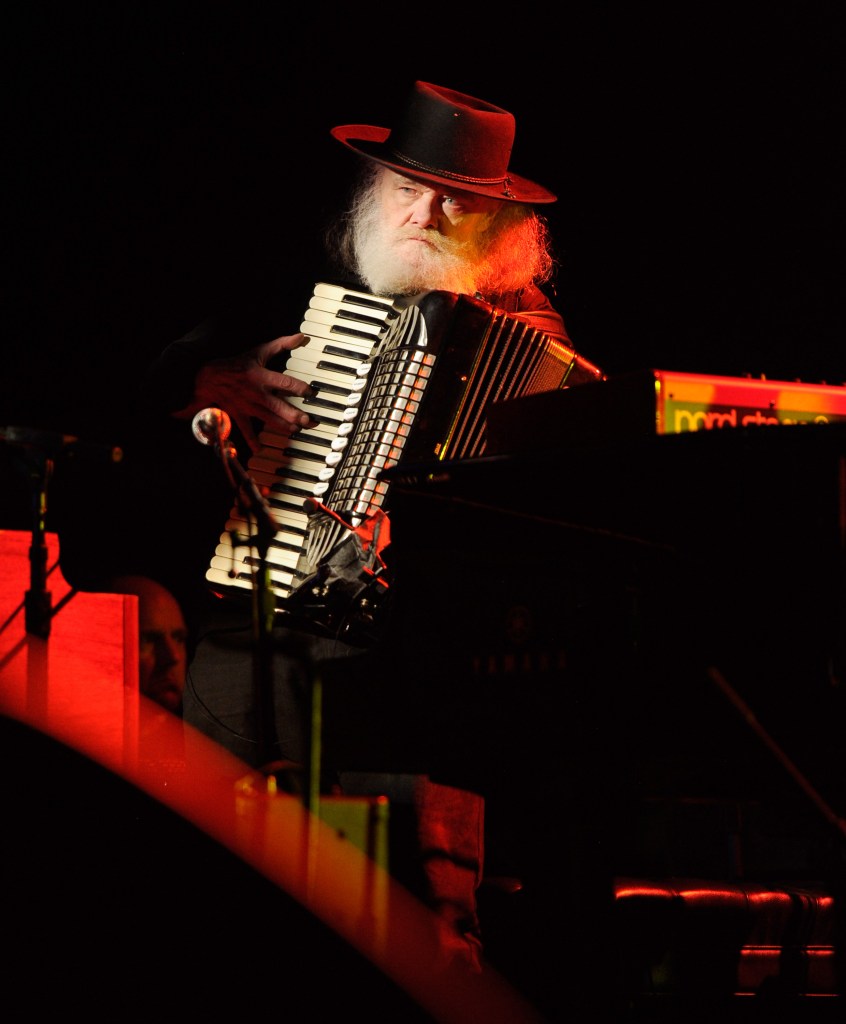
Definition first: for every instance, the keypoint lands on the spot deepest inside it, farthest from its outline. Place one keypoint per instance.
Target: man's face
(413, 237)
(415, 210)
(162, 652)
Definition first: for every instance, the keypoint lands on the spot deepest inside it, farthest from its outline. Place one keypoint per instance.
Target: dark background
(154, 158)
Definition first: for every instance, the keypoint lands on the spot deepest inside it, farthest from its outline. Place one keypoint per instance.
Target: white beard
(388, 265)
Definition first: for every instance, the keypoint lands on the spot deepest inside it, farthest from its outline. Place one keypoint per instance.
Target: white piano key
(297, 478)
(274, 446)
(355, 334)
(343, 367)
(276, 468)
(349, 296)
(339, 316)
(220, 575)
(277, 554)
(293, 520)
(223, 579)
(279, 559)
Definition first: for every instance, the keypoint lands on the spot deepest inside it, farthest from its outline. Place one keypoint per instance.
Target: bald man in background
(162, 640)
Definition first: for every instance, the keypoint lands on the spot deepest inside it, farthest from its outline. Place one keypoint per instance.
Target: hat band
(466, 178)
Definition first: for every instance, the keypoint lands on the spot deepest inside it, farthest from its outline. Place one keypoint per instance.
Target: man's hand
(243, 386)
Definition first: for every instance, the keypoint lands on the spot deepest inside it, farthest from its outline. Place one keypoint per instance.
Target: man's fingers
(285, 343)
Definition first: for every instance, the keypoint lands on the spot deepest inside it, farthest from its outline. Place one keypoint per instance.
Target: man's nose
(168, 651)
(425, 212)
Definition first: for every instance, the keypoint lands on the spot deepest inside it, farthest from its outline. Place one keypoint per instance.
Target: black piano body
(561, 610)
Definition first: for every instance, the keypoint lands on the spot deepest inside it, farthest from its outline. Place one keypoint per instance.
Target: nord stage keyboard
(649, 402)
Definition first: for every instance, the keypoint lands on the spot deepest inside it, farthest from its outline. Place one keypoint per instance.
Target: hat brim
(370, 142)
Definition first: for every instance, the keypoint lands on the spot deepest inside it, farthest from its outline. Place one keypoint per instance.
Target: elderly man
(437, 207)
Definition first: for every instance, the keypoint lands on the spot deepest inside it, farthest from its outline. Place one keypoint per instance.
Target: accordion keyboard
(344, 327)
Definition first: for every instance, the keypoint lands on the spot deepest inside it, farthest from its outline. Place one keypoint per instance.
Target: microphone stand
(253, 505)
(38, 610)
(211, 427)
(36, 462)
(40, 448)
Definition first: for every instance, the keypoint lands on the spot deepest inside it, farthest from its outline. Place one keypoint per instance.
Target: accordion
(392, 382)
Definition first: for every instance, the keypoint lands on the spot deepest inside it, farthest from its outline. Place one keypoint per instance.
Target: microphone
(52, 444)
(211, 426)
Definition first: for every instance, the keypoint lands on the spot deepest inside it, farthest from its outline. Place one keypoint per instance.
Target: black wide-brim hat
(448, 138)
